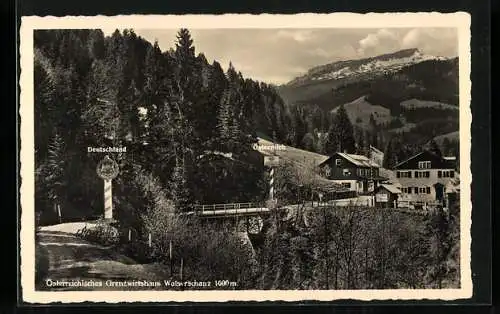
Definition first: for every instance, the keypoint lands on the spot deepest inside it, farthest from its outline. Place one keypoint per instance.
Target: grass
(362, 109)
(293, 154)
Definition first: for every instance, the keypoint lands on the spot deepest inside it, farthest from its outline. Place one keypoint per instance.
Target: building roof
(408, 159)
(359, 160)
(444, 159)
(376, 149)
(391, 188)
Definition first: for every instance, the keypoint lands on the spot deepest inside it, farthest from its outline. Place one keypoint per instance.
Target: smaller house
(354, 172)
(386, 195)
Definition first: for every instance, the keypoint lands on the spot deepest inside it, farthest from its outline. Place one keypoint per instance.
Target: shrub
(139, 251)
(102, 233)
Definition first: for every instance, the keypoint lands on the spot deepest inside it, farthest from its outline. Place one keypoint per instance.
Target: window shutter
(439, 174)
(398, 174)
(409, 174)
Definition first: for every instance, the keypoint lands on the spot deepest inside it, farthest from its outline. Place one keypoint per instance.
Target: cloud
(297, 35)
(379, 42)
(433, 41)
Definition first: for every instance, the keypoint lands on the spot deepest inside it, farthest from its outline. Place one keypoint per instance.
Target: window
(328, 171)
(346, 185)
(408, 190)
(346, 172)
(428, 190)
(446, 174)
(337, 162)
(416, 190)
(422, 190)
(422, 174)
(404, 174)
(424, 165)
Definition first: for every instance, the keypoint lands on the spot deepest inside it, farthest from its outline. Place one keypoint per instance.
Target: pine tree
(212, 100)
(54, 172)
(374, 132)
(228, 128)
(341, 134)
(361, 148)
(180, 191)
(390, 155)
(308, 142)
(184, 48)
(447, 148)
(299, 126)
(187, 92)
(45, 109)
(434, 148)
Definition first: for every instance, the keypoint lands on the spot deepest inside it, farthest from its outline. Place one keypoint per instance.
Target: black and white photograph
(219, 158)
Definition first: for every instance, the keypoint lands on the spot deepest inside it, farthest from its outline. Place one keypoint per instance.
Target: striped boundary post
(271, 184)
(108, 199)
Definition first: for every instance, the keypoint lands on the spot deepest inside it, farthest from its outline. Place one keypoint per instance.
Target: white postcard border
(458, 20)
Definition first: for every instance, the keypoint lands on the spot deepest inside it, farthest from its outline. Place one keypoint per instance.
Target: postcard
(235, 157)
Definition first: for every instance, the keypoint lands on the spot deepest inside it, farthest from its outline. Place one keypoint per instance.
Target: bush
(138, 251)
(102, 233)
(209, 252)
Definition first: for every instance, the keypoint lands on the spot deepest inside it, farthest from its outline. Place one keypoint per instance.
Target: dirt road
(62, 256)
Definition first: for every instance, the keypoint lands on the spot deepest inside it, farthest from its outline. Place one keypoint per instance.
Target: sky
(278, 55)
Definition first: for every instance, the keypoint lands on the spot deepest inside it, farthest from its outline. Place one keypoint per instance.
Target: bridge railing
(230, 208)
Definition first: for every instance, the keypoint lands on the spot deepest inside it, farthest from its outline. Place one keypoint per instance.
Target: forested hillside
(172, 110)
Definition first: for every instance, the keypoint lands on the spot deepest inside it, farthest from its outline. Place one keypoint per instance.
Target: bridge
(229, 210)
(258, 209)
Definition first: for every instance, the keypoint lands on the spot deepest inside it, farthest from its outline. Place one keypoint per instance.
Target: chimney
(345, 151)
